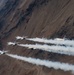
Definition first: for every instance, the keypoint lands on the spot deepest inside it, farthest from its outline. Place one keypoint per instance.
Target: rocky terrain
(34, 18)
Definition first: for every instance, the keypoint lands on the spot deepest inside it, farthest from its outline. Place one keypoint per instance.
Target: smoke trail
(54, 49)
(49, 64)
(57, 41)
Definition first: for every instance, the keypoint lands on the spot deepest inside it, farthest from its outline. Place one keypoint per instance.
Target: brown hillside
(34, 18)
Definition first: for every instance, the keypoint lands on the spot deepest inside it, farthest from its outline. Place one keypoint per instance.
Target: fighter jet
(13, 43)
(21, 38)
(2, 52)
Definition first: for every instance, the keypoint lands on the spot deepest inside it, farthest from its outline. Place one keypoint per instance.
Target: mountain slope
(35, 18)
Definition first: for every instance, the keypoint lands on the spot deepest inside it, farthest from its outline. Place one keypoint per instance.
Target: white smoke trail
(49, 64)
(57, 41)
(54, 49)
